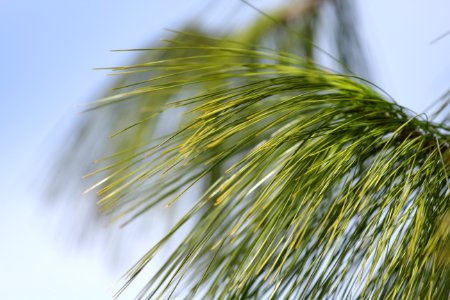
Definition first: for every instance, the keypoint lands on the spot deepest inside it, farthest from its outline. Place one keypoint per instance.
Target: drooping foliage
(318, 184)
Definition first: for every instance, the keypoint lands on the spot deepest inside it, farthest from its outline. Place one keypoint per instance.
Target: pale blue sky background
(48, 49)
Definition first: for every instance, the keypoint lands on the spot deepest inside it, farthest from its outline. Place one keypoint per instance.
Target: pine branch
(330, 191)
(316, 184)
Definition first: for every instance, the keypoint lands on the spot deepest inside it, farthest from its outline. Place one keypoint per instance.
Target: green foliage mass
(316, 184)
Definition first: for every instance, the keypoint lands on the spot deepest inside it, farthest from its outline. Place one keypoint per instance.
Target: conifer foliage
(315, 183)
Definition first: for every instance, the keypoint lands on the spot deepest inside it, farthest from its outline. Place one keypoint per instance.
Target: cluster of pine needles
(320, 185)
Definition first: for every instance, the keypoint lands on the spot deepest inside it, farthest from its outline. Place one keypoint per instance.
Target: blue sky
(48, 51)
